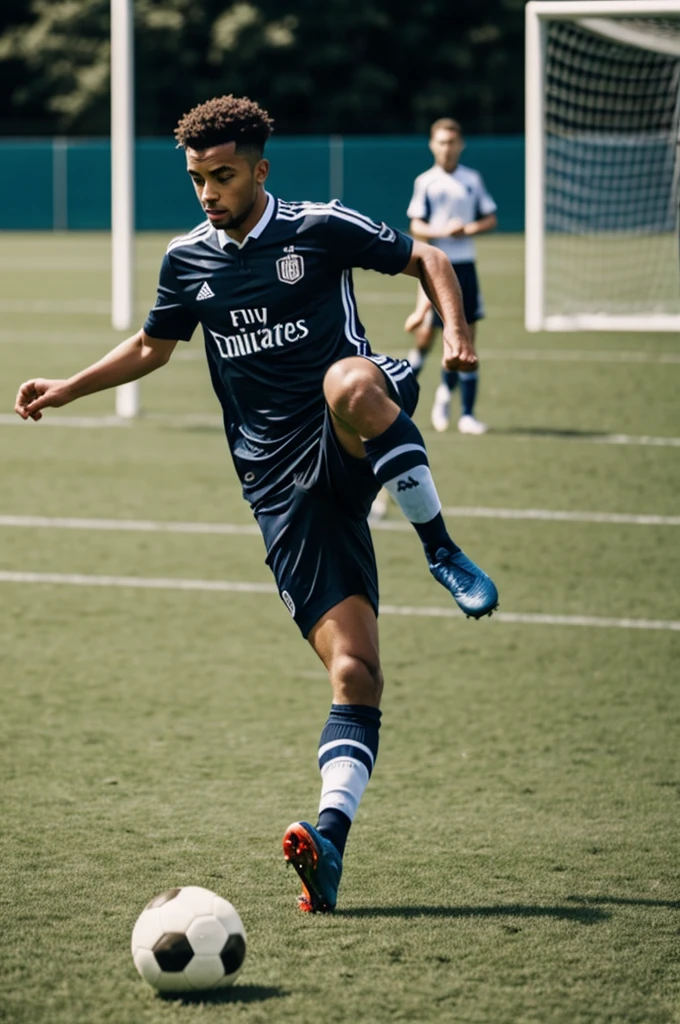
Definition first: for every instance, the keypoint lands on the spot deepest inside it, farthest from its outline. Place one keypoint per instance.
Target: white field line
(66, 307)
(83, 307)
(529, 434)
(229, 586)
(579, 356)
(210, 420)
(628, 439)
(62, 264)
(8, 419)
(131, 525)
(547, 515)
(138, 582)
(48, 336)
(21, 264)
(536, 619)
(398, 525)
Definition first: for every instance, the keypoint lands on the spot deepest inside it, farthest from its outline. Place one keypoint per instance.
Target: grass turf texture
(515, 858)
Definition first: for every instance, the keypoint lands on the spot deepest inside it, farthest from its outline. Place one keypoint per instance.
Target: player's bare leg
(424, 337)
(440, 415)
(346, 641)
(368, 422)
(358, 398)
(468, 423)
(441, 407)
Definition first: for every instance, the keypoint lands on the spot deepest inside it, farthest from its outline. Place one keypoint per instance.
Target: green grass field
(515, 858)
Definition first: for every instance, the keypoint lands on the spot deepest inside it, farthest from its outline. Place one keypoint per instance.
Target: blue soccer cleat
(473, 591)
(317, 862)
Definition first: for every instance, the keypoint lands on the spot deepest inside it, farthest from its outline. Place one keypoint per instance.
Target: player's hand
(455, 228)
(34, 395)
(459, 353)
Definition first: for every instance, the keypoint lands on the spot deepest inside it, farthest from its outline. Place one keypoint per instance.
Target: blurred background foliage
(345, 66)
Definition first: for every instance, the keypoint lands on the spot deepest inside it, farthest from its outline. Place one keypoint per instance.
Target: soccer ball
(188, 940)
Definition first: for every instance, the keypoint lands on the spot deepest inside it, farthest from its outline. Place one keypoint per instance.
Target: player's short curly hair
(225, 119)
(447, 124)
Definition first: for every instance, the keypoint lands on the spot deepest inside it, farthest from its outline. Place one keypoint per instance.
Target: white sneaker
(379, 506)
(441, 409)
(469, 425)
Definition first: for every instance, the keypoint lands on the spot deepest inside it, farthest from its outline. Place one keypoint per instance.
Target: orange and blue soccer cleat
(317, 862)
(473, 591)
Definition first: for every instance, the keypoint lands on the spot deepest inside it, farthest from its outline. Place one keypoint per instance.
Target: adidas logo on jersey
(205, 292)
(408, 484)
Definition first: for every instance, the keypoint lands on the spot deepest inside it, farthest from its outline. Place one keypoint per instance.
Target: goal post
(122, 187)
(602, 165)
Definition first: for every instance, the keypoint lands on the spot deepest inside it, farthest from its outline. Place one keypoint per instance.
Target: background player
(449, 206)
(315, 423)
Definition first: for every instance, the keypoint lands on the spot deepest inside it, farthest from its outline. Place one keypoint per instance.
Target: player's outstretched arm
(440, 285)
(133, 358)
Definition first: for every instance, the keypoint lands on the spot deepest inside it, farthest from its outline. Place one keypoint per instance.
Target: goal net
(603, 166)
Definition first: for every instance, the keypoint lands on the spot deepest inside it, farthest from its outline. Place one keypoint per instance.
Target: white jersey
(439, 196)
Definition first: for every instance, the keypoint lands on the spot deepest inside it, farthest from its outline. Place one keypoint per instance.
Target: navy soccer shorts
(472, 297)
(319, 544)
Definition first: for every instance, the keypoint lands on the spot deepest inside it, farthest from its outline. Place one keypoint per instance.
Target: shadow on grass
(625, 901)
(236, 994)
(582, 915)
(549, 432)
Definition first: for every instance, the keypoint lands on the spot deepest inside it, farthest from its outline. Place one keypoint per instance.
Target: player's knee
(356, 679)
(350, 383)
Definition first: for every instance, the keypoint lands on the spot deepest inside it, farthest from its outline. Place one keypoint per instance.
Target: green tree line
(345, 66)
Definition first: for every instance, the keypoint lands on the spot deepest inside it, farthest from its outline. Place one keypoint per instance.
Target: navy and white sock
(468, 392)
(400, 463)
(416, 358)
(348, 748)
(450, 378)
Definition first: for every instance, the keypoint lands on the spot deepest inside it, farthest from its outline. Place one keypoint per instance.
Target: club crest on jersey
(291, 267)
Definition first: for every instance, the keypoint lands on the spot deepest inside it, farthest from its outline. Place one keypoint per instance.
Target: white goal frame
(123, 188)
(537, 14)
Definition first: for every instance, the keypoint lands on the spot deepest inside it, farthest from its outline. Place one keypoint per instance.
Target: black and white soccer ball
(188, 940)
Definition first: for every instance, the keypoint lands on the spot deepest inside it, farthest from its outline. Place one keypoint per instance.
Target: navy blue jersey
(277, 310)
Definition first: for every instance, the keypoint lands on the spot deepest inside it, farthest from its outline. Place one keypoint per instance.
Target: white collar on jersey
(224, 239)
(447, 174)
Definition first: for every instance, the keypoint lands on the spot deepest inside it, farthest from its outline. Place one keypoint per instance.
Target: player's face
(227, 183)
(446, 147)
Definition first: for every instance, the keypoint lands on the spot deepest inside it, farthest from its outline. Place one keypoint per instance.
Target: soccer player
(315, 422)
(449, 206)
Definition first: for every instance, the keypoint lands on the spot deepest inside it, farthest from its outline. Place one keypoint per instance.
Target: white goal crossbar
(614, 21)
